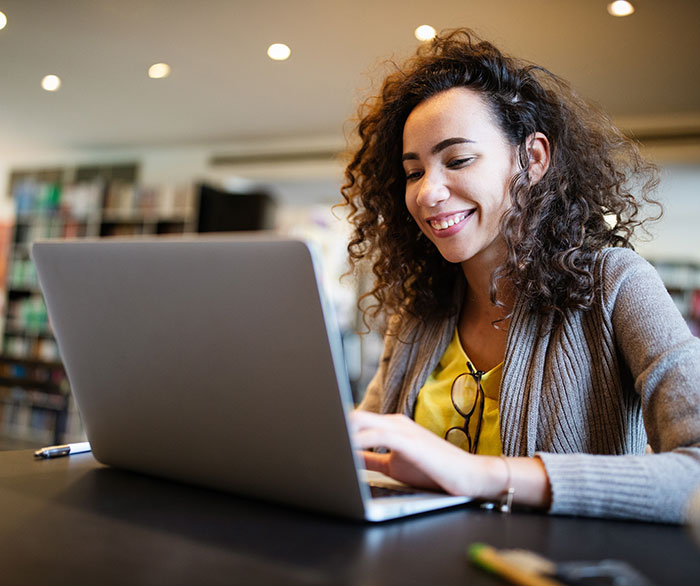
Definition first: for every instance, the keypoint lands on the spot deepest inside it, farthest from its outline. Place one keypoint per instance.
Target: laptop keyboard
(381, 490)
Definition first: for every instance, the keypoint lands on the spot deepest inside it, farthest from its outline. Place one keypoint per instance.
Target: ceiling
(644, 69)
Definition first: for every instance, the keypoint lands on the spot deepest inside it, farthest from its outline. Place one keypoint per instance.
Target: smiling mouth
(449, 221)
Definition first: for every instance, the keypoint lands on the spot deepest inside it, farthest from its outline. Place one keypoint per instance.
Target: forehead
(455, 111)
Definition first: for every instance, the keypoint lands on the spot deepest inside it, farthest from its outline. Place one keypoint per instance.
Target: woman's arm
(663, 359)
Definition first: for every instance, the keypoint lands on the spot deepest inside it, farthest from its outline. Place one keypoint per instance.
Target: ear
(538, 156)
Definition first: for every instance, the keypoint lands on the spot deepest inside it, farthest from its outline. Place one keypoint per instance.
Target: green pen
(517, 571)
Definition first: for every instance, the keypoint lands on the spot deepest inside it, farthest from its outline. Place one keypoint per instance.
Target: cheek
(499, 206)
(497, 193)
(411, 205)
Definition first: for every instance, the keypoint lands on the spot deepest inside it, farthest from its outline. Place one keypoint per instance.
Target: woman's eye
(413, 175)
(461, 162)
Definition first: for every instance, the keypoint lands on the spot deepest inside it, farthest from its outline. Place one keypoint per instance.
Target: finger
(376, 462)
(359, 419)
(366, 419)
(374, 438)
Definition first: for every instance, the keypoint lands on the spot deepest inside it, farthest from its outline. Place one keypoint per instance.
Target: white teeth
(445, 223)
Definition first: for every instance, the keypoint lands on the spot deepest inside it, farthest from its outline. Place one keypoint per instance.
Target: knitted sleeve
(412, 350)
(664, 360)
(375, 393)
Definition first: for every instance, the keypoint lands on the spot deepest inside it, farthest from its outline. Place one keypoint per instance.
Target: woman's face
(458, 166)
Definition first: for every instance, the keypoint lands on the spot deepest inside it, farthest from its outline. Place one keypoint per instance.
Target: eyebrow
(441, 146)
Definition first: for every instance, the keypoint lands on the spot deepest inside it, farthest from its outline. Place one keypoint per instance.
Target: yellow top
(434, 408)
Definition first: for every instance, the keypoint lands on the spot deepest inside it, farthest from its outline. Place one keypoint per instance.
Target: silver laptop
(213, 361)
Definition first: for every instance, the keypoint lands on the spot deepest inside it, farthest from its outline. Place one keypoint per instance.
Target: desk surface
(74, 521)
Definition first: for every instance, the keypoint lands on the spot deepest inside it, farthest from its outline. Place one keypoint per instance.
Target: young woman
(529, 351)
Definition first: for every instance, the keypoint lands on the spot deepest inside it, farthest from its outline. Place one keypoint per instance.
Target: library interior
(145, 119)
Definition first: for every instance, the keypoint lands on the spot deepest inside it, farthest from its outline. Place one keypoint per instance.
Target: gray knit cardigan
(587, 396)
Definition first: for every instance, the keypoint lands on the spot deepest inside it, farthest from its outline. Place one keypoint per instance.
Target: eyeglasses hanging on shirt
(467, 397)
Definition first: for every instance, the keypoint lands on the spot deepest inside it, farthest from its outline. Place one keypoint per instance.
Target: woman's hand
(420, 458)
(416, 455)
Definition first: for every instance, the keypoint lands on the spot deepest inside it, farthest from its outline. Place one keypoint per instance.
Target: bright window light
(51, 83)
(3, 20)
(620, 8)
(425, 32)
(278, 52)
(159, 70)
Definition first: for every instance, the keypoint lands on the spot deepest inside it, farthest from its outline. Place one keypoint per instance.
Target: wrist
(497, 478)
(525, 478)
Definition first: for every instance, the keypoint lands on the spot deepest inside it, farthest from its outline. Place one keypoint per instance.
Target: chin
(454, 256)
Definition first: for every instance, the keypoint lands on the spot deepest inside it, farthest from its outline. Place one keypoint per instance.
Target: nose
(431, 191)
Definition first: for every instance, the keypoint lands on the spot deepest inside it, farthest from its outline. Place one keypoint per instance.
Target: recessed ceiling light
(51, 83)
(425, 32)
(279, 52)
(159, 70)
(3, 20)
(620, 8)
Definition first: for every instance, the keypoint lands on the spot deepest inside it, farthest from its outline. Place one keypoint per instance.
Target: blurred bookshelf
(682, 281)
(68, 202)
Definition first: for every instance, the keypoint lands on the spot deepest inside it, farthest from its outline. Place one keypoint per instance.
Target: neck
(478, 272)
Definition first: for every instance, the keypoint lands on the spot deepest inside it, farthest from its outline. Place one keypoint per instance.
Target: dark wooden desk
(73, 521)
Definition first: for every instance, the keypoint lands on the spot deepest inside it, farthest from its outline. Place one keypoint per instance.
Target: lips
(446, 221)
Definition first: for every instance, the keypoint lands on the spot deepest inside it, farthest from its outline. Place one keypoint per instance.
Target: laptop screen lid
(214, 361)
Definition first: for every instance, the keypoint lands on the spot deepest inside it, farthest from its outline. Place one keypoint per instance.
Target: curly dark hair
(553, 228)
